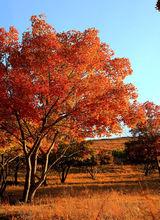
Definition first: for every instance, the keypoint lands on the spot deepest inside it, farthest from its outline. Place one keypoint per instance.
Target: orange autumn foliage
(147, 133)
(69, 81)
(60, 86)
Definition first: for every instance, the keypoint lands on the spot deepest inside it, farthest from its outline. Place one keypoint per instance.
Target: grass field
(119, 192)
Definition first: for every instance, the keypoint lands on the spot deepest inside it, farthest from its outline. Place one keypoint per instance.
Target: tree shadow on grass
(125, 187)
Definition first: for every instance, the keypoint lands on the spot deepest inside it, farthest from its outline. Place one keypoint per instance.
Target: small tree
(76, 155)
(89, 161)
(119, 156)
(74, 152)
(147, 133)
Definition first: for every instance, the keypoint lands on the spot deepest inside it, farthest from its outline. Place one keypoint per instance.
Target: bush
(119, 156)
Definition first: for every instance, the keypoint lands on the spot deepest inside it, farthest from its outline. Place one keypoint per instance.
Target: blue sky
(131, 28)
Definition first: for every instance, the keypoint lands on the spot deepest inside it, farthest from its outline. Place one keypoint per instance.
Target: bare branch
(56, 161)
(28, 129)
(22, 134)
(3, 127)
(9, 160)
(53, 141)
(57, 120)
(49, 111)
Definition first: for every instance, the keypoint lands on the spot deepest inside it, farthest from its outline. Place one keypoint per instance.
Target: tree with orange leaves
(147, 134)
(59, 85)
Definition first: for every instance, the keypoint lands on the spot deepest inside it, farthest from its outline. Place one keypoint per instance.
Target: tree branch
(22, 134)
(2, 127)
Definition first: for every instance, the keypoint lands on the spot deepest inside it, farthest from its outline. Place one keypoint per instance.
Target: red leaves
(147, 132)
(83, 50)
(64, 81)
(119, 67)
(8, 40)
(150, 126)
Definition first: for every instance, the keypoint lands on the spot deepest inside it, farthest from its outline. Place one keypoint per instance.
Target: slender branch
(36, 145)
(58, 120)
(47, 170)
(53, 141)
(8, 161)
(59, 158)
(71, 155)
(68, 95)
(22, 133)
(40, 134)
(41, 179)
(20, 126)
(48, 153)
(49, 111)
(28, 129)
(3, 127)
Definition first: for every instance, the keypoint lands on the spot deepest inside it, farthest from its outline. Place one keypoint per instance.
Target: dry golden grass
(89, 206)
(122, 193)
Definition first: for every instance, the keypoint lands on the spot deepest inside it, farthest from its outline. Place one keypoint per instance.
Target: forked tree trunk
(36, 185)
(31, 167)
(31, 186)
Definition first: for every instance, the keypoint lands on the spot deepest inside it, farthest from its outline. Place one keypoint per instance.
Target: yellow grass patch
(122, 193)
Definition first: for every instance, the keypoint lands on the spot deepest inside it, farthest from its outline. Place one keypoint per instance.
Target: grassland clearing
(118, 192)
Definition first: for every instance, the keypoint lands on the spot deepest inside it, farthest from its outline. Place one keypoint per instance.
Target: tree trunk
(3, 178)
(64, 174)
(3, 183)
(146, 169)
(45, 182)
(16, 171)
(31, 186)
(32, 193)
(34, 187)
(92, 172)
(27, 183)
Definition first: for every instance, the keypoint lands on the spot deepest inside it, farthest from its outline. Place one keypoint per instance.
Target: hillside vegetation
(110, 144)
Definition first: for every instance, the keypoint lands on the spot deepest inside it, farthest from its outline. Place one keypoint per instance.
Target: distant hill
(110, 144)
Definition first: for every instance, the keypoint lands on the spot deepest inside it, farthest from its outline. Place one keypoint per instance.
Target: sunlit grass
(90, 205)
(122, 193)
